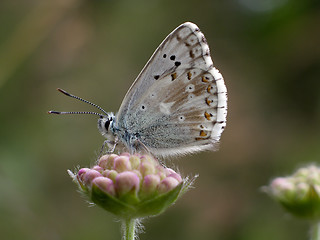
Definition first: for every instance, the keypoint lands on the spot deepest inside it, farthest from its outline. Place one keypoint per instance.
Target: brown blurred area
(268, 52)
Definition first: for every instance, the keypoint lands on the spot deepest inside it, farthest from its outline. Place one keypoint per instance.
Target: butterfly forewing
(178, 102)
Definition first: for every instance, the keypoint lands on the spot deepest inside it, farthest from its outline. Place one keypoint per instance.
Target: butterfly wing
(178, 103)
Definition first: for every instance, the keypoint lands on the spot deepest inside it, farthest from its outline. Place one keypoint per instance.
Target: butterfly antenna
(81, 99)
(56, 112)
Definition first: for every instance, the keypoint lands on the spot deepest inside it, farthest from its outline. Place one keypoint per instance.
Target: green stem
(315, 231)
(129, 228)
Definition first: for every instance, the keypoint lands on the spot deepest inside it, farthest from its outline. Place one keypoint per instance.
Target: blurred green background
(269, 54)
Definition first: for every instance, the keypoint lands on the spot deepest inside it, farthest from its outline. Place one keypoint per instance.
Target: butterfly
(176, 105)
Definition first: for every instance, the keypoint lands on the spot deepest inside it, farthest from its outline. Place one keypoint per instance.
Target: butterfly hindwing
(178, 102)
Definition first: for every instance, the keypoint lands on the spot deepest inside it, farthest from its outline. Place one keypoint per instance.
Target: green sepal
(134, 208)
(307, 207)
(158, 204)
(110, 203)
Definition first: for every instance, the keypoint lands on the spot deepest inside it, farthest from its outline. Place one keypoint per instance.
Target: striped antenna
(82, 100)
(94, 113)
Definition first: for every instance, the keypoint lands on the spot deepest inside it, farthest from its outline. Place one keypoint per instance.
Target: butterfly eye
(107, 124)
(143, 107)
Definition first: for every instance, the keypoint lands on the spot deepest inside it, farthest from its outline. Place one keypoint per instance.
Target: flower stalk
(129, 228)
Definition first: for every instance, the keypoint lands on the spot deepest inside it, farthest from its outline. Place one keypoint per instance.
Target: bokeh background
(269, 54)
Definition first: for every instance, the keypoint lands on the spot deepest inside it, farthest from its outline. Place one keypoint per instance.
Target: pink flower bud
(150, 183)
(161, 172)
(105, 173)
(302, 190)
(105, 184)
(168, 171)
(89, 176)
(126, 182)
(107, 161)
(126, 154)
(110, 174)
(81, 173)
(122, 164)
(138, 174)
(97, 168)
(147, 158)
(167, 184)
(172, 173)
(135, 161)
(147, 168)
(282, 187)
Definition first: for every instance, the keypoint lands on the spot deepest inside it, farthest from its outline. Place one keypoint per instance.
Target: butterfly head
(105, 125)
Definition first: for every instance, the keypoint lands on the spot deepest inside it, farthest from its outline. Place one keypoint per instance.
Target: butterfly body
(177, 104)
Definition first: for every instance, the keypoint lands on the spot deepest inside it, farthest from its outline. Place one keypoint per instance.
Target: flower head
(131, 185)
(298, 193)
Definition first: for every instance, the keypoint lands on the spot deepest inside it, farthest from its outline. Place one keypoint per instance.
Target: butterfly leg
(139, 146)
(107, 147)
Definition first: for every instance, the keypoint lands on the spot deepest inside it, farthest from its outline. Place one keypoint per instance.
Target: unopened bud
(299, 193)
(131, 185)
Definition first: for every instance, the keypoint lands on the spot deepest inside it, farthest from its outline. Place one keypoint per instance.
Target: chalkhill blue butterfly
(176, 105)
